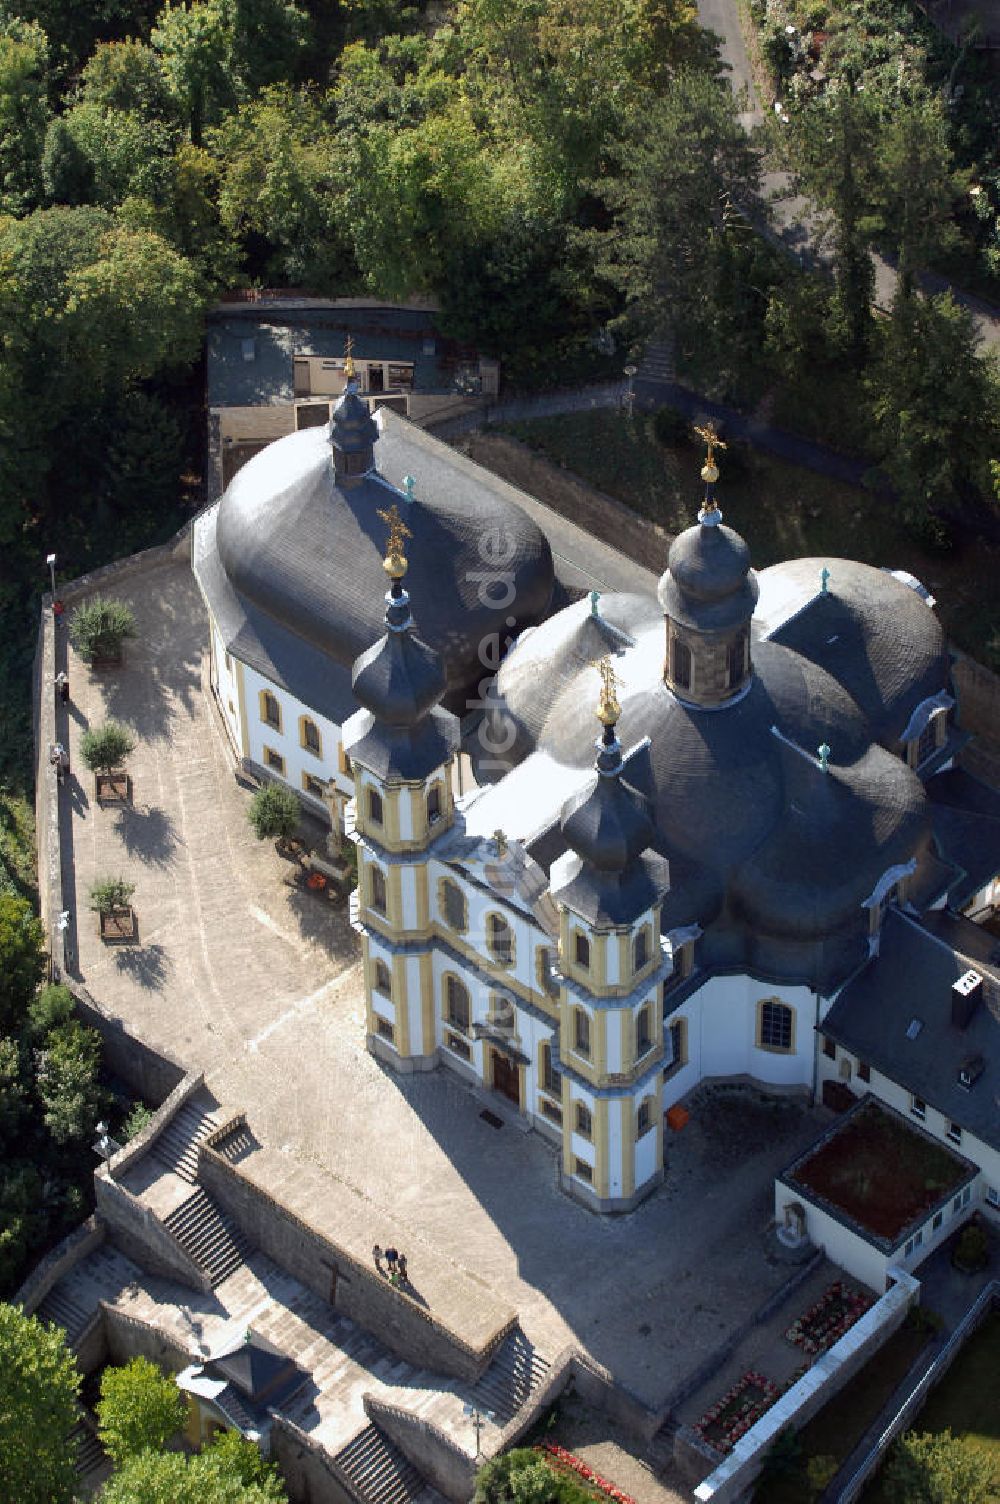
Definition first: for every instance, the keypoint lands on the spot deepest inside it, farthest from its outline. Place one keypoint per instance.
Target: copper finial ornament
(349, 370)
(710, 470)
(394, 563)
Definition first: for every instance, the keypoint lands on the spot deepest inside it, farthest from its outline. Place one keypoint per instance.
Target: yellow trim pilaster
(241, 701)
(427, 1002)
(601, 1147)
(627, 1109)
(401, 1004)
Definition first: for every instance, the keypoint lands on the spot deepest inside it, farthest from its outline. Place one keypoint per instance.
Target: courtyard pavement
(260, 987)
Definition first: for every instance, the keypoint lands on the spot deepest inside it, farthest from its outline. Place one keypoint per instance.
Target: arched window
(500, 939)
(581, 950)
(736, 661)
(681, 665)
(548, 1076)
(640, 949)
(581, 1033)
(644, 1031)
(309, 736)
(775, 1026)
(375, 806)
(434, 804)
(927, 741)
(457, 1004)
(376, 890)
(382, 979)
(453, 905)
(270, 710)
(501, 1012)
(583, 1120)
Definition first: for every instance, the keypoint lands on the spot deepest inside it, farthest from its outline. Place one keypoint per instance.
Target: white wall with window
(735, 1026)
(291, 739)
(483, 909)
(224, 681)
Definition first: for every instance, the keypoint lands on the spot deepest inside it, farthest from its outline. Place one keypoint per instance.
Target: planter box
(113, 788)
(119, 926)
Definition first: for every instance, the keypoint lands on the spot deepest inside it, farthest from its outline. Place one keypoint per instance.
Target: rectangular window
(385, 1030)
(583, 1171)
(918, 1107)
(550, 1078)
(314, 786)
(581, 1033)
(643, 1119)
(956, 1205)
(274, 760)
(644, 1031)
(992, 1196)
(434, 805)
(678, 1047)
(458, 1046)
(829, 1048)
(343, 761)
(938, 1219)
(775, 1026)
(954, 1133)
(375, 806)
(270, 710)
(310, 736)
(581, 950)
(967, 1195)
(864, 1071)
(551, 1111)
(583, 1121)
(229, 664)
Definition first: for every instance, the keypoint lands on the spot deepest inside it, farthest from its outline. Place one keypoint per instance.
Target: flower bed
(560, 1458)
(725, 1422)
(837, 1309)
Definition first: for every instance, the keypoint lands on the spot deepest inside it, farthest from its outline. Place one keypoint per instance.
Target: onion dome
(613, 876)
(353, 434)
(400, 731)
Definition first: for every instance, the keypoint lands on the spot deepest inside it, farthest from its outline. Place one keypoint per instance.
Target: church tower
(402, 746)
(609, 888)
(708, 594)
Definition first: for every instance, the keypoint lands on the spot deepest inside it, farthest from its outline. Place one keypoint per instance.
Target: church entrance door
(506, 1078)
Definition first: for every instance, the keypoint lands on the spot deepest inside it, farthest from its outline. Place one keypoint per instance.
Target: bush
(136, 1120)
(111, 893)
(670, 427)
(99, 628)
(140, 1409)
(274, 813)
(972, 1251)
(104, 748)
(53, 1006)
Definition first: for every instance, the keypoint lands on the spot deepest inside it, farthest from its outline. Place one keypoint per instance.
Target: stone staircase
(208, 1236)
(237, 1144)
(61, 1309)
(378, 1471)
(658, 362)
(90, 1455)
(516, 1371)
(176, 1147)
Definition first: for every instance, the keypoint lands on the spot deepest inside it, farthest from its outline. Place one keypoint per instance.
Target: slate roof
(966, 815)
(259, 1376)
(912, 978)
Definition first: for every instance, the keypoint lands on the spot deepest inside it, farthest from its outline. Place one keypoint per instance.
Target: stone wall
(128, 1337)
(91, 1347)
(138, 1147)
(150, 1073)
(734, 1476)
(389, 1314)
(978, 693)
(74, 1248)
(599, 1389)
(561, 1373)
(310, 1473)
(433, 1452)
(142, 1237)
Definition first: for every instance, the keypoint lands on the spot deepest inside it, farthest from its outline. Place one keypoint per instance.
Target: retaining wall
(142, 1237)
(429, 1448)
(330, 1270)
(310, 1473)
(128, 1337)
(138, 1147)
(74, 1248)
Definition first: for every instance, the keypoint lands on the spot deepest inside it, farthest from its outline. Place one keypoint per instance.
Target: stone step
(176, 1148)
(516, 1371)
(90, 1455)
(378, 1470)
(208, 1236)
(61, 1309)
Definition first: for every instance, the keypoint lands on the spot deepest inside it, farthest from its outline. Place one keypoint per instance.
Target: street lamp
(50, 560)
(629, 391)
(478, 1419)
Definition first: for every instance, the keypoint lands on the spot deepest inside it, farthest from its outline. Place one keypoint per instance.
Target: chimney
(965, 996)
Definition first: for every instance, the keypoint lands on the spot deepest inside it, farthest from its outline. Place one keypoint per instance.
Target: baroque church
(609, 846)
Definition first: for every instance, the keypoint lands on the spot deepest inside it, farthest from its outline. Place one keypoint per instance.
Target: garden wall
(736, 1473)
(138, 1147)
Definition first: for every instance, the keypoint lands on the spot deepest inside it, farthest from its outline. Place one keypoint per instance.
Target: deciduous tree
(67, 1081)
(140, 1409)
(939, 1468)
(39, 1383)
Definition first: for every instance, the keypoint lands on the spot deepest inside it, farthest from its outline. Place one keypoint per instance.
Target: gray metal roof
(966, 816)
(912, 978)
(708, 583)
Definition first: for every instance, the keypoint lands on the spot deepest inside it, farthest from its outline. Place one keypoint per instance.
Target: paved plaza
(259, 986)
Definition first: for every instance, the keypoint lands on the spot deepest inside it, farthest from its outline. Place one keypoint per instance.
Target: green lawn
(840, 1425)
(783, 511)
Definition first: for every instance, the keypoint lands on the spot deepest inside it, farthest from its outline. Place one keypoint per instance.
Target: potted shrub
(99, 629)
(972, 1250)
(111, 898)
(104, 749)
(274, 814)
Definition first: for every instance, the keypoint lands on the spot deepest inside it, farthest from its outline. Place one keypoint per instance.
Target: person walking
(61, 682)
(401, 1266)
(377, 1256)
(391, 1258)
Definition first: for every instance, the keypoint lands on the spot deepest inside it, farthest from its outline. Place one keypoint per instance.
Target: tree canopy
(140, 1409)
(39, 1384)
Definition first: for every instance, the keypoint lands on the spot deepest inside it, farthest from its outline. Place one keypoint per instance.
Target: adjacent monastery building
(612, 846)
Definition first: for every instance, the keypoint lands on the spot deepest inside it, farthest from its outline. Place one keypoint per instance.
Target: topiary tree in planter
(104, 749)
(99, 628)
(274, 813)
(111, 898)
(972, 1249)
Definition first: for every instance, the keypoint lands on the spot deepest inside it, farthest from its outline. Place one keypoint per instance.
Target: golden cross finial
(394, 562)
(709, 435)
(609, 709)
(349, 371)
